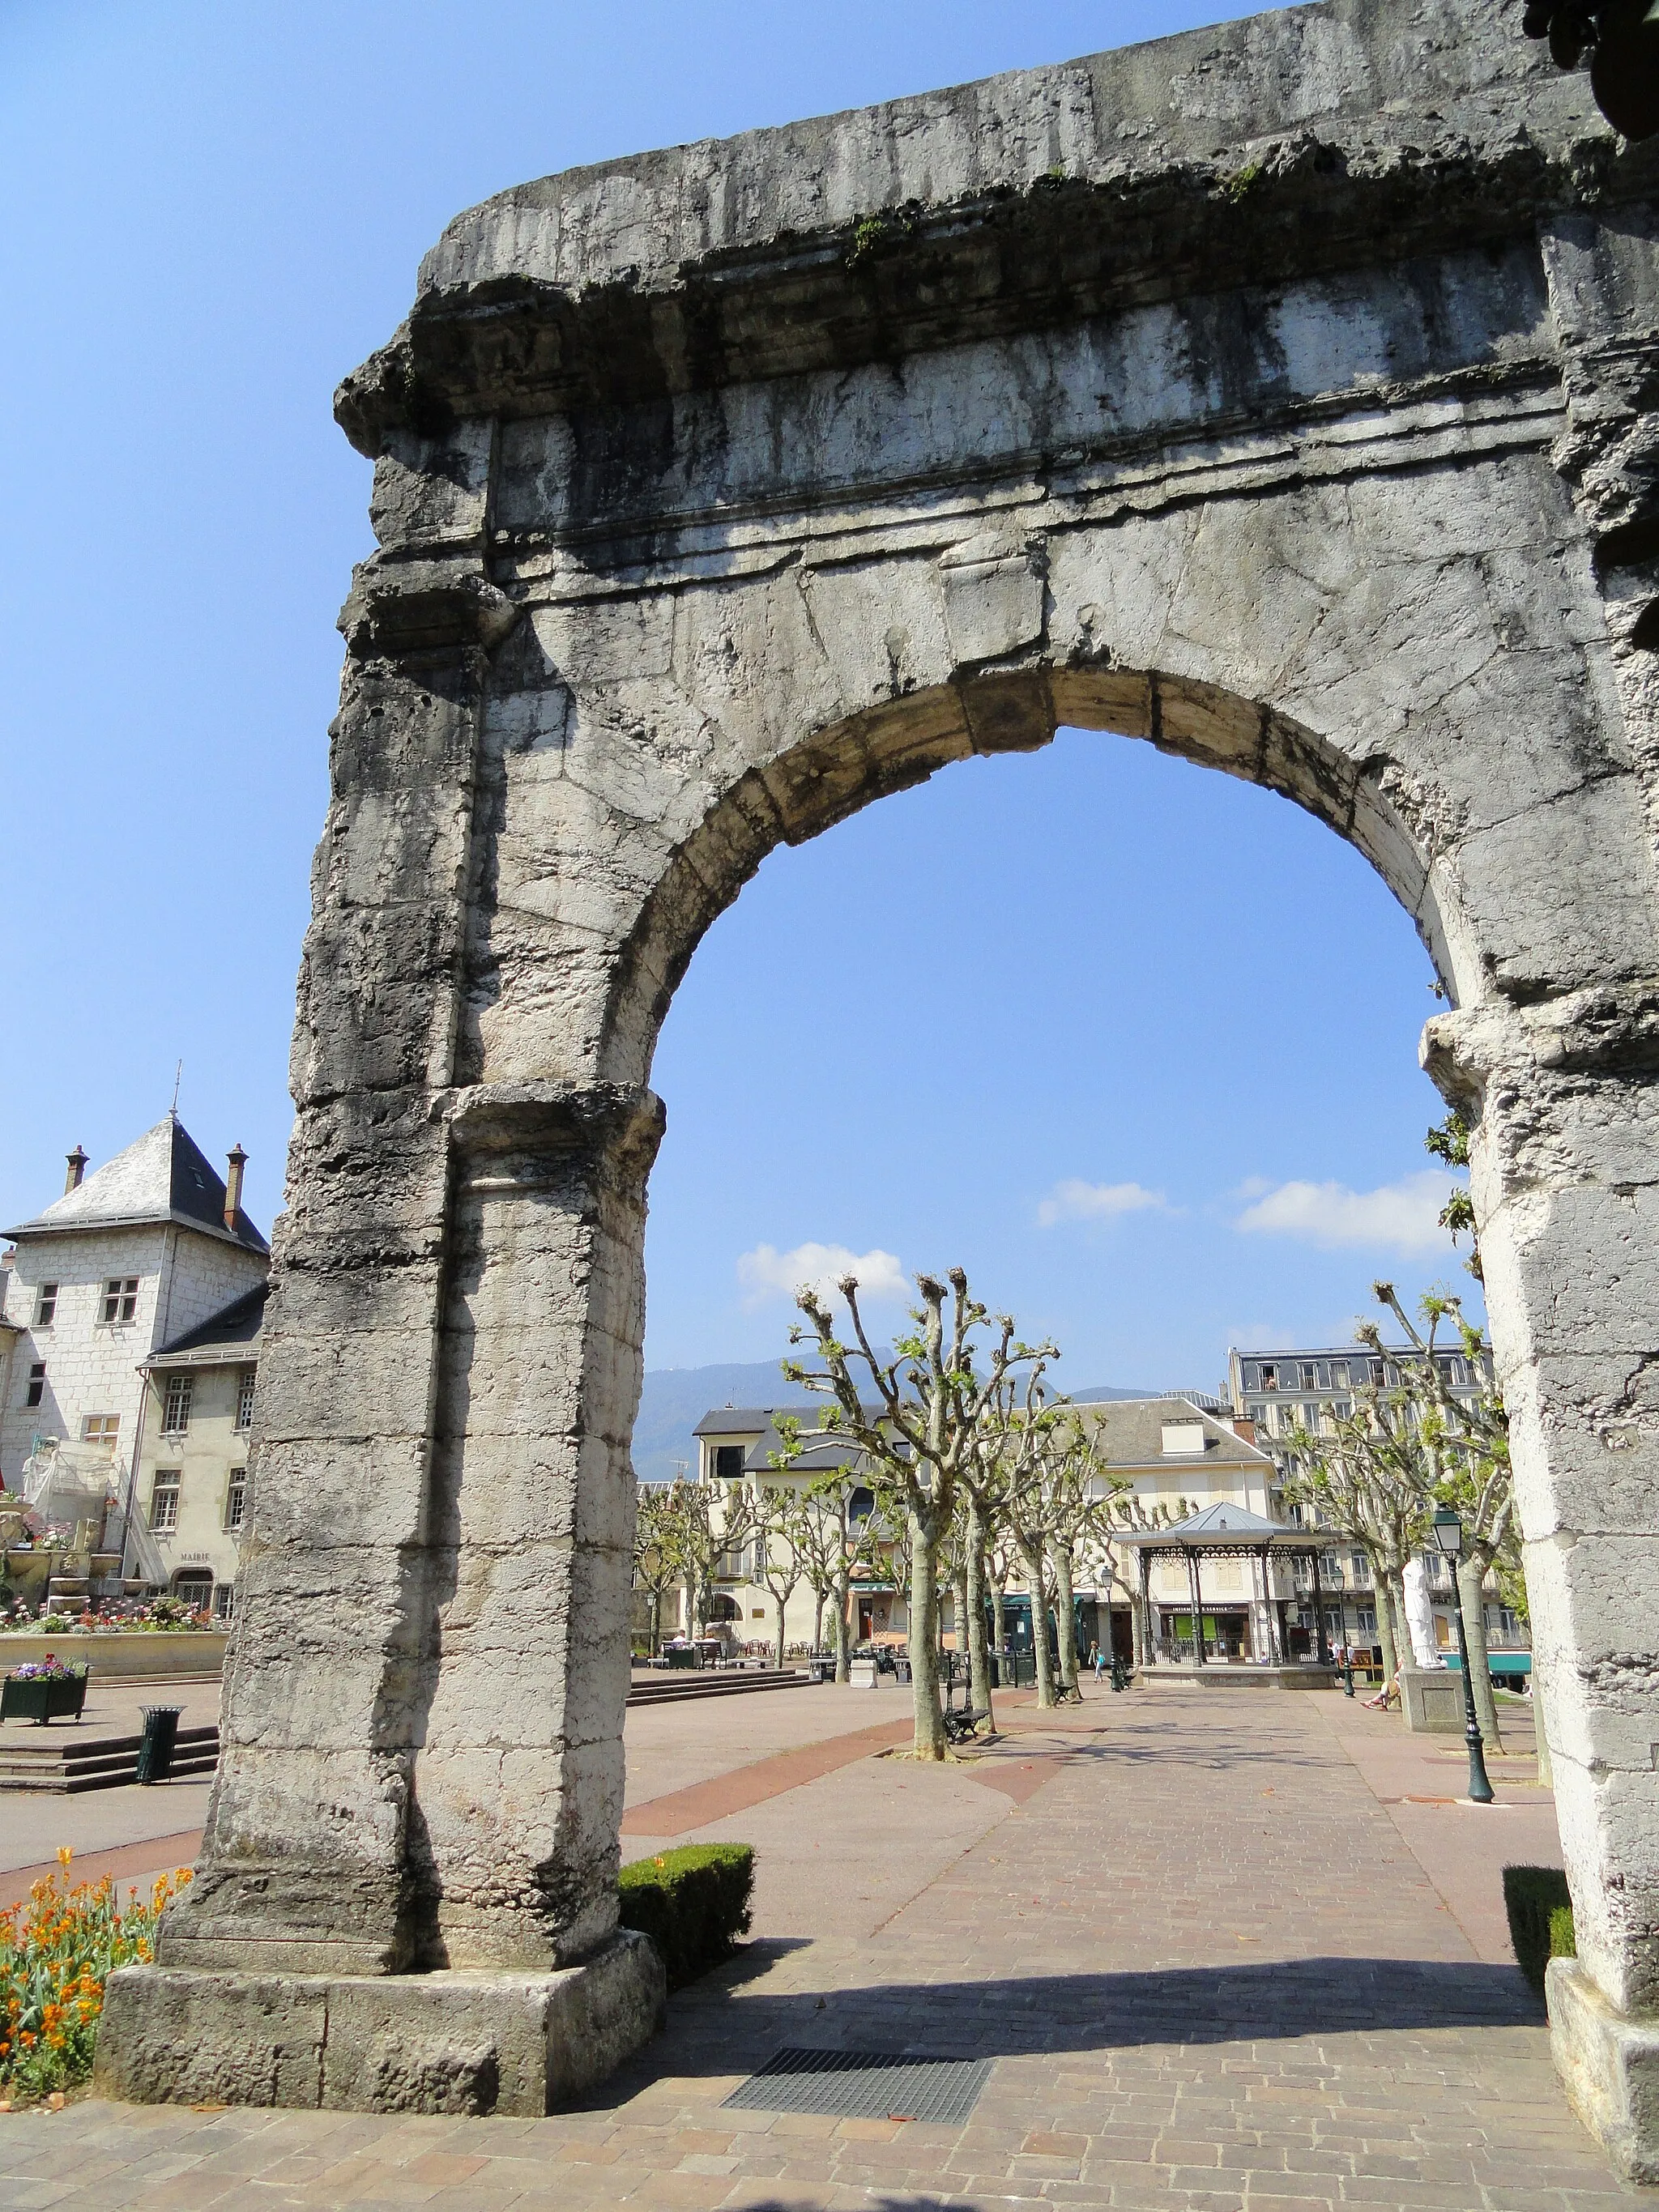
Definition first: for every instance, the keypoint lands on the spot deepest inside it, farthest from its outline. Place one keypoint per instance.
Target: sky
(1164, 1094)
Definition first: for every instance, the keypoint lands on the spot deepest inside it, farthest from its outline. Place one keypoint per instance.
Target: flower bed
(161, 1615)
(43, 1690)
(56, 1954)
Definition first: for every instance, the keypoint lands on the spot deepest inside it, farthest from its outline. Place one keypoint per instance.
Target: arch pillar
(1566, 1177)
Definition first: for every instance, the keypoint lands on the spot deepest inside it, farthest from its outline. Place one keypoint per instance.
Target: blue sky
(1179, 997)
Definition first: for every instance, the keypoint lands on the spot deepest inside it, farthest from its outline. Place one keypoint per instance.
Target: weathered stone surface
(1610, 2068)
(443, 2043)
(1280, 395)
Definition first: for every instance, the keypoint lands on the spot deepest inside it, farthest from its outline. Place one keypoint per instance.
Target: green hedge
(692, 1903)
(1540, 1919)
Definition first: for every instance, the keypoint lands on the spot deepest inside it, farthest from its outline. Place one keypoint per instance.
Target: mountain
(675, 1399)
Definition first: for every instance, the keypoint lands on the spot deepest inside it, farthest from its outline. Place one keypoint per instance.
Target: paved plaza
(1227, 1950)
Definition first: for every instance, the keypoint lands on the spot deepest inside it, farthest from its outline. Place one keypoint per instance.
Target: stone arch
(835, 772)
(1279, 394)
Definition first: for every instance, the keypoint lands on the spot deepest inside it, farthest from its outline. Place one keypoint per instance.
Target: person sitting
(1387, 1696)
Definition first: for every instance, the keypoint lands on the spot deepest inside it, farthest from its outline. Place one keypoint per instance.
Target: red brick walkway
(1211, 1971)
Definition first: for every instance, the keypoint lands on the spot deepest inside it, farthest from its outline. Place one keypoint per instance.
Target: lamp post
(1449, 1536)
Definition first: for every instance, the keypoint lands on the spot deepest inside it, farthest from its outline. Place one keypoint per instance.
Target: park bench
(960, 1723)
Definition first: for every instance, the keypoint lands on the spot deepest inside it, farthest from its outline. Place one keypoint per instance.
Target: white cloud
(1401, 1216)
(766, 1273)
(1262, 1336)
(1096, 1201)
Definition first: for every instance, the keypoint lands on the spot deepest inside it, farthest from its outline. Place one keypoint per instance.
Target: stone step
(675, 1687)
(69, 1765)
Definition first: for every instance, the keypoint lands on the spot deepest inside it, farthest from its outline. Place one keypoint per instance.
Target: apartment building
(1276, 1392)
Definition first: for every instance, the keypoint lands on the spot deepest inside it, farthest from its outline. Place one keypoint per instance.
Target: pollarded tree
(831, 1540)
(1082, 1489)
(916, 1429)
(1361, 1478)
(1466, 1449)
(1027, 1432)
(1001, 1557)
(710, 1529)
(658, 1566)
(1129, 1515)
(988, 1550)
(781, 1517)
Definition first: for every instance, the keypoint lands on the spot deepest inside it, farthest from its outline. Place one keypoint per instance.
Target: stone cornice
(1285, 145)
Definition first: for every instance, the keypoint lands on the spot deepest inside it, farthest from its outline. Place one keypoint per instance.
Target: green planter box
(42, 1698)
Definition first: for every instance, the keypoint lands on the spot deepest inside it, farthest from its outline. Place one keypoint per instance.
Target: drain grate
(863, 2085)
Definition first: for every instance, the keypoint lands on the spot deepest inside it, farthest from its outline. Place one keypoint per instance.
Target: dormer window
(728, 1463)
(1182, 1439)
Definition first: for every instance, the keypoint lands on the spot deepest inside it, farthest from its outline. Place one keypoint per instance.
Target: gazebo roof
(1217, 1528)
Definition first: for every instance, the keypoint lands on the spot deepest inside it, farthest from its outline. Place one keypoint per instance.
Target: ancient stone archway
(1270, 393)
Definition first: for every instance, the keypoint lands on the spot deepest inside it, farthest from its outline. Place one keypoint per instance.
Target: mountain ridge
(675, 1399)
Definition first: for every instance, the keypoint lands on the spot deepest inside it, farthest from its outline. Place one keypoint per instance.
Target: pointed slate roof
(164, 1176)
(1216, 1524)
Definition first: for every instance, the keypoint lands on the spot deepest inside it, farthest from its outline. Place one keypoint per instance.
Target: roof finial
(177, 1078)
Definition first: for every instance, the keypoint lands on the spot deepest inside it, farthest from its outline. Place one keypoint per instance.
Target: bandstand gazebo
(1232, 1532)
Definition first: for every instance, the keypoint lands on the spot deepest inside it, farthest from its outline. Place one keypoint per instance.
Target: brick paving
(1211, 1969)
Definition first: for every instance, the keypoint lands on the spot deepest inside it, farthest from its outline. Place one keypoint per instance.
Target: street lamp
(1449, 1536)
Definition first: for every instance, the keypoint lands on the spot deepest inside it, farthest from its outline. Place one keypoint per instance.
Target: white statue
(1419, 1615)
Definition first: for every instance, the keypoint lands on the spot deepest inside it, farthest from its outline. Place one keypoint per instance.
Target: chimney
(77, 1168)
(235, 1161)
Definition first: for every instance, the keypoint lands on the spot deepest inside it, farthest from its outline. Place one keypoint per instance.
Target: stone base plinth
(1433, 1699)
(1610, 2067)
(453, 2042)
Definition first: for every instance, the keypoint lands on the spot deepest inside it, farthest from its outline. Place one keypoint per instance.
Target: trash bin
(156, 1747)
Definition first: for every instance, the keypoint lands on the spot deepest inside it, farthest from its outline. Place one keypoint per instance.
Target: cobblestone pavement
(1213, 1974)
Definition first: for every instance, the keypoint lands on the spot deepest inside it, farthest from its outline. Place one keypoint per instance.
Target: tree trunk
(1138, 1639)
(1471, 1574)
(1032, 1555)
(1000, 1617)
(979, 1658)
(1066, 1620)
(924, 1642)
(844, 1656)
(817, 1623)
(1384, 1623)
(656, 1622)
(780, 1602)
(1404, 1652)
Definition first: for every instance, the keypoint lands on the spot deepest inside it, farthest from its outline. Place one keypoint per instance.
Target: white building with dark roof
(191, 1492)
(126, 1262)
